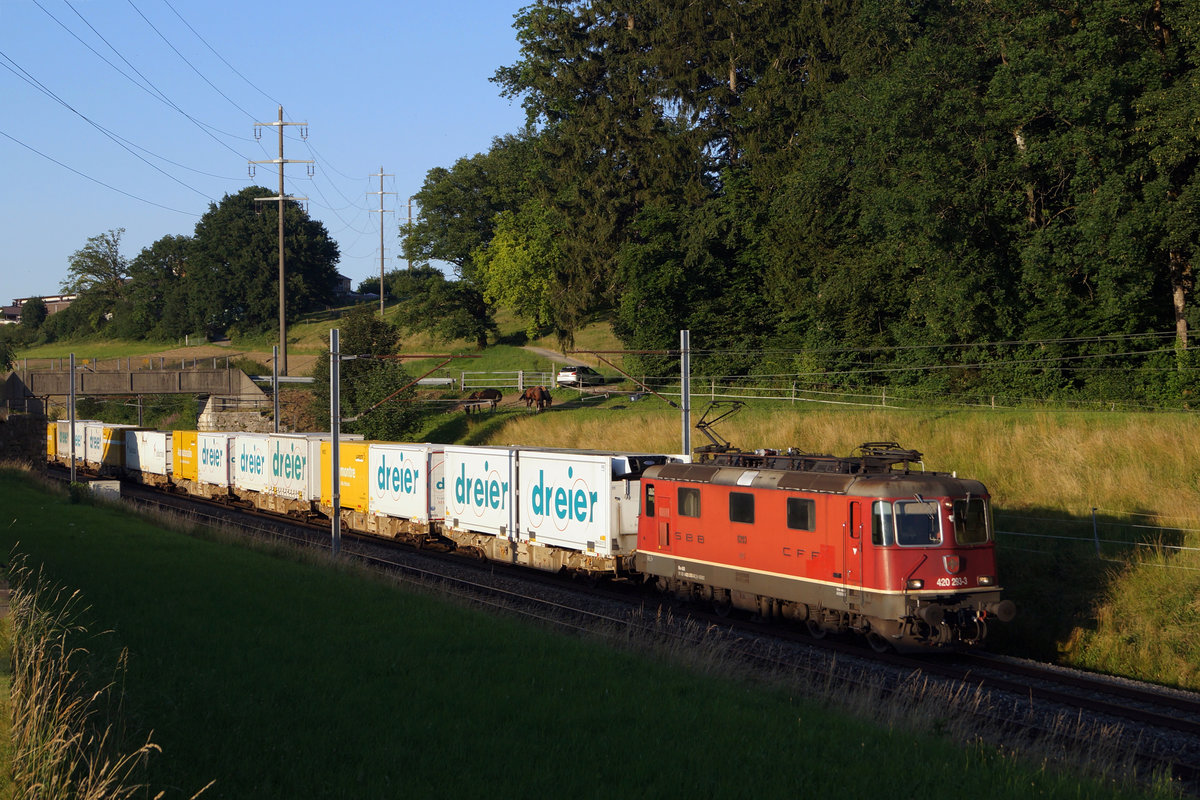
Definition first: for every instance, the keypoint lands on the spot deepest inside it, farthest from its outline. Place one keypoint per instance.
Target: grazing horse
(537, 395)
(476, 399)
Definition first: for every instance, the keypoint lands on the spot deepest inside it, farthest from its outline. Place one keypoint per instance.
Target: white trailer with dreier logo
(547, 509)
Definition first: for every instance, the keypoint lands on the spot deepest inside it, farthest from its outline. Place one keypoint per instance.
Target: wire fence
(1138, 538)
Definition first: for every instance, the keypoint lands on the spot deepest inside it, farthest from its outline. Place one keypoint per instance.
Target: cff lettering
(486, 492)
(402, 479)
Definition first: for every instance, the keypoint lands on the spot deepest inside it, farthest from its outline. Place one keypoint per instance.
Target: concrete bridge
(30, 390)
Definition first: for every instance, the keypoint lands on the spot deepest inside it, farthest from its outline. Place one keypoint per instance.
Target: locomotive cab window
(801, 514)
(648, 506)
(741, 507)
(689, 502)
(971, 521)
(882, 530)
(918, 523)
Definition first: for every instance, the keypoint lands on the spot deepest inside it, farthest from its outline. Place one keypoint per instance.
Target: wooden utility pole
(381, 209)
(281, 197)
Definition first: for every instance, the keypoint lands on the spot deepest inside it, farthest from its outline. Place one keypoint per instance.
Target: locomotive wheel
(814, 628)
(878, 643)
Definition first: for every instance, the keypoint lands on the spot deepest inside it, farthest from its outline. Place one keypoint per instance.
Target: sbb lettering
(698, 538)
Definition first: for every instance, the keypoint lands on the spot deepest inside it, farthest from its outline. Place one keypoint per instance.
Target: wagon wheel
(722, 606)
(814, 628)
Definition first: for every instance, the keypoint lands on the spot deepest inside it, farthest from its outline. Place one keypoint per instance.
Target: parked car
(579, 376)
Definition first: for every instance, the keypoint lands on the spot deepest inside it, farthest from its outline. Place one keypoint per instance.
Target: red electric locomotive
(866, 543)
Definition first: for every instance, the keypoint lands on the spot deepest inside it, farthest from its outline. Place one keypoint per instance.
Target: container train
(871, 544)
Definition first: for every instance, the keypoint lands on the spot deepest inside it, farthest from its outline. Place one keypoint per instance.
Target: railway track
(1094, 720)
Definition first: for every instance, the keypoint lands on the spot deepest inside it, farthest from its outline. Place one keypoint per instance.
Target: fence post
(793, 393)
(883, 398)
(1095, 532)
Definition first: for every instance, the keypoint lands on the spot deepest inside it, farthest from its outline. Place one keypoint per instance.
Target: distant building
(11, 315)
(341, 287)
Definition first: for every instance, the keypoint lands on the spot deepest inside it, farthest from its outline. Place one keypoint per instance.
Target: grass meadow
(271, 674)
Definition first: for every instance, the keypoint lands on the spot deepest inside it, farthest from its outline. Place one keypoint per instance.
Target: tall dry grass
(1029, 460)
(64, 744)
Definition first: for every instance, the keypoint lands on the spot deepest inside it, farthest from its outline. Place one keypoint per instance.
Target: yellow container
(354, 485)
(51, 441)
(184, 455)
(112, 447)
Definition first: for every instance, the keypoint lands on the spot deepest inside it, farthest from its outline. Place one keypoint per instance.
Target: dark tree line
(223, 278)
(849, 188)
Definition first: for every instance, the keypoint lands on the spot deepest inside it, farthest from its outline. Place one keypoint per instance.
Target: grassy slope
(283, 679)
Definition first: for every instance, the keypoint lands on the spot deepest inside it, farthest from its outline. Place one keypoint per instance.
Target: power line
(153, 90)
(20, 72)
(95, 180)
(218, 55)
(189, 63)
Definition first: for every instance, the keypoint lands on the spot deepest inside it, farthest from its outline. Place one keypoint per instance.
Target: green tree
(158, 290)
(233, 264)
(609, 143)
(98, 268)
(451, 309)
(521, 266)
(33, 313)
(367, 382)
(458, 211)
(458, 206)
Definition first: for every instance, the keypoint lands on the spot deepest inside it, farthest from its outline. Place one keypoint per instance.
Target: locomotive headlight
(986, 580)
(914, 583)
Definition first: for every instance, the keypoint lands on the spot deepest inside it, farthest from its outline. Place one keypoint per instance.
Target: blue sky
(400, 85)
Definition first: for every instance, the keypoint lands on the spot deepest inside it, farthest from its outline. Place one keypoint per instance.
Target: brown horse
(476, 399)
(537, 395)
